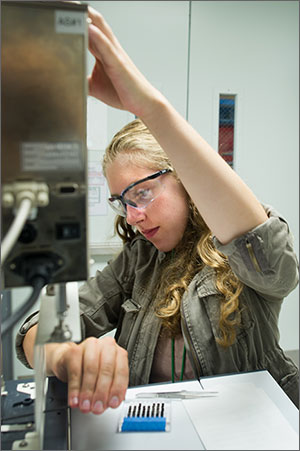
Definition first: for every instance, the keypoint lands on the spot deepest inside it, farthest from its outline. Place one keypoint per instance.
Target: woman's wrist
(156, 109)
(54, 355)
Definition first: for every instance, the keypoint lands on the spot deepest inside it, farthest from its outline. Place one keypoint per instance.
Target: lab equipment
(44, 171)
(43, 141)
(145, 416)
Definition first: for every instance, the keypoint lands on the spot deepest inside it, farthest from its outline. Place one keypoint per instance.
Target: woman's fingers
(120, 380)
(99, 45)
(115, 79)
(98, 20)
(74, 370)
(96, 370)
(97, 373)
(113, 377)
(100, 86)
(102, 42)
(64, 360)
(90, 373)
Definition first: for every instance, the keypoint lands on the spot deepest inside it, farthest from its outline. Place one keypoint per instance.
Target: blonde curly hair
(195, 249)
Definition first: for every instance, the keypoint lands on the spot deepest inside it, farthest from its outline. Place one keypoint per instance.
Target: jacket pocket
(129, 313)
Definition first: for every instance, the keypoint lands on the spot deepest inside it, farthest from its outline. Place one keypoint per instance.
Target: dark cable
(37, 283)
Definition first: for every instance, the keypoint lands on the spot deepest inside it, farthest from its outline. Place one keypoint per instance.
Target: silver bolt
(8, 200)
(50, 290)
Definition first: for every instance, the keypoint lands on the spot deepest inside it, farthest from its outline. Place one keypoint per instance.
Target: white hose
(16, 228)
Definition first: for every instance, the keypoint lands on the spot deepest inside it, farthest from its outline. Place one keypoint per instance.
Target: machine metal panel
(43, 131)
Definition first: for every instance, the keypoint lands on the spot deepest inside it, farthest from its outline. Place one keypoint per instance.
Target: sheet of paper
(241, 417)
(97, 189)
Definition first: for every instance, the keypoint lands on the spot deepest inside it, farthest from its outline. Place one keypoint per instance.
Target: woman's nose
(134, 215)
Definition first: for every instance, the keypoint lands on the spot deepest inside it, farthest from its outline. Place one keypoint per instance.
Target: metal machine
(44, 168)
(43, 136)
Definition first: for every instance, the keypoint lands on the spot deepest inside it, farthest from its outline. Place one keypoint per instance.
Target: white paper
(97, 190)
(241, 417)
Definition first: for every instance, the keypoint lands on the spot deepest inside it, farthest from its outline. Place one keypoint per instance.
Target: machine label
(69, 22)
(51, 156)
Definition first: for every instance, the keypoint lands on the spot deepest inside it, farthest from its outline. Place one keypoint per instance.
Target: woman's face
(164, 220)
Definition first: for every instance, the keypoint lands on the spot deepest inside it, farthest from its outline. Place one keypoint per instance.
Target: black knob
(28, 234)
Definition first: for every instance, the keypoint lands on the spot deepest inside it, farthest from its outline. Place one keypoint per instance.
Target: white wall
(251, 48)
(246, 47)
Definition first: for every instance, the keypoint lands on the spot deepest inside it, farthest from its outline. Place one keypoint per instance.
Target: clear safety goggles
(138, 194)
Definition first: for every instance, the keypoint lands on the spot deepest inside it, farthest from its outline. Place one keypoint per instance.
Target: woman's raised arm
(224, 201)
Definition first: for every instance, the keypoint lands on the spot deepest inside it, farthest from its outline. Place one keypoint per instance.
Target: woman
(204, 268)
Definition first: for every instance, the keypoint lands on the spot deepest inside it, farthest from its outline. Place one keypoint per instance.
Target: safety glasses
(138, 194)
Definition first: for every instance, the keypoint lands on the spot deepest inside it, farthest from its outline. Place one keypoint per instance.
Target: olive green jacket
(120, 297)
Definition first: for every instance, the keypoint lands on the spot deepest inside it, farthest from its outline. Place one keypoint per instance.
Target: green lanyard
(173, 353)
(173, 361)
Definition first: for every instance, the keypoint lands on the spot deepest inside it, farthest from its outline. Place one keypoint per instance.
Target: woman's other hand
(96, 371)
